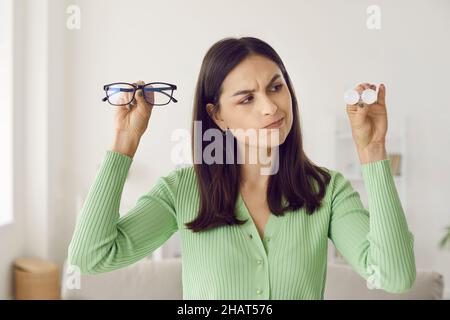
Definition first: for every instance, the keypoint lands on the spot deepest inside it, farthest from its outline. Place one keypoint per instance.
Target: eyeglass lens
(155, 93)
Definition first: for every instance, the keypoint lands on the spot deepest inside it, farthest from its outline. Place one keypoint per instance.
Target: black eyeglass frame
(142, 87)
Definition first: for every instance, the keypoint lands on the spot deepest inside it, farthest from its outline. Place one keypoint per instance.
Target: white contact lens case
(368, 96)
(351, 97)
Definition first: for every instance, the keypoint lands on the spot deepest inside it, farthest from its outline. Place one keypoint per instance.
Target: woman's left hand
(369, 125)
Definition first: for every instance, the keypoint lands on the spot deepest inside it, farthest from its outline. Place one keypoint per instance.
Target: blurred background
(56, 55)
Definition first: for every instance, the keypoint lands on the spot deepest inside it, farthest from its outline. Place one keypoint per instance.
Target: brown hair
(219, 183)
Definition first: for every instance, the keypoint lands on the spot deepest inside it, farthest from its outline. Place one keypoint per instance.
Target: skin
(267, 104)
(253, 111)
(130, 124)
(369, 126)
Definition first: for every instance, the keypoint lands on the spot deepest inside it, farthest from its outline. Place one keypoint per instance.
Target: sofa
(161, 279)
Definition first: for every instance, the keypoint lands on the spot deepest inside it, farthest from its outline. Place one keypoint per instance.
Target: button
(259, 261)
(259, 291)
(251, 236)
(268, 239)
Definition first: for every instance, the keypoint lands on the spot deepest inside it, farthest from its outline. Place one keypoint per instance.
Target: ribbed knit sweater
(234, 262)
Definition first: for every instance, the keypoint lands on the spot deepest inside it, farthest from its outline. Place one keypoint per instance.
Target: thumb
(362, 109)
(357, 113)
(142, 103)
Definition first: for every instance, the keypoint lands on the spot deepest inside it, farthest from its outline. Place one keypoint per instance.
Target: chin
(273, 138)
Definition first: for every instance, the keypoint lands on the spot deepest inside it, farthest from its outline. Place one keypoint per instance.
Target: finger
(357, 113)
(138, 95)
(369, 86)
(142, 103)
(381, 98)
(352, 109)
(360, 88)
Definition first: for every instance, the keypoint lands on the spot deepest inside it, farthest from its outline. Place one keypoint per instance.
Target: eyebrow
(241, 92)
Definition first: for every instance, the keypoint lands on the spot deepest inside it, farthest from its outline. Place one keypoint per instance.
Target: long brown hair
(219, 183)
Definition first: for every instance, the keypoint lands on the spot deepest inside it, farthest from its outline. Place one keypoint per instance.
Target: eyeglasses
(154, 93)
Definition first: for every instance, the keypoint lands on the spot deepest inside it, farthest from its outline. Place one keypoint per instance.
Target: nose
(268, 106)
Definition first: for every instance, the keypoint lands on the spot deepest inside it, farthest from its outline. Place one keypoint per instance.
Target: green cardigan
(233, 262)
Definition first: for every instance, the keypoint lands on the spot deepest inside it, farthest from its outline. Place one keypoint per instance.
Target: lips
(274, 124)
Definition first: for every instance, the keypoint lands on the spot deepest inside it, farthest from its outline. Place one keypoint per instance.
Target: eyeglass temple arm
(162, 91)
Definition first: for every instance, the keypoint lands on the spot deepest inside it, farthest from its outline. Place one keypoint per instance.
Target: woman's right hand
(132, 120)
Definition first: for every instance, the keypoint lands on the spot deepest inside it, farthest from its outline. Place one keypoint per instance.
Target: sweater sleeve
(377, 245)
(102, 240)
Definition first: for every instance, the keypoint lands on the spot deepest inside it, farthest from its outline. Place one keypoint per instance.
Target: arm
(103, 241)
(378, 245)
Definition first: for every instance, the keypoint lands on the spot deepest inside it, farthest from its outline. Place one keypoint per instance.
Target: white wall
(325, 46)
(15, 238)
(40, 204)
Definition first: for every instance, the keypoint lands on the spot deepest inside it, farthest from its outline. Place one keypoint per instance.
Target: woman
(246, 234)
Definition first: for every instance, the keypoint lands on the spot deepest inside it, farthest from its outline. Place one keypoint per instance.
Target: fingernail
(140, 93)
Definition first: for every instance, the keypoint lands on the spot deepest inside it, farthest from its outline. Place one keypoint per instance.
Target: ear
(215, 116)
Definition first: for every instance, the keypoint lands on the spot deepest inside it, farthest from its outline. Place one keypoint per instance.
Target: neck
(254, 173)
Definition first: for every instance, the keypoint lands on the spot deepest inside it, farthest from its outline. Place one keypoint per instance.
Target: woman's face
(254, 95)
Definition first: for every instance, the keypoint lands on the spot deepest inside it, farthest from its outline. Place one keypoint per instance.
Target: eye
(243, 102)
(278, 86)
